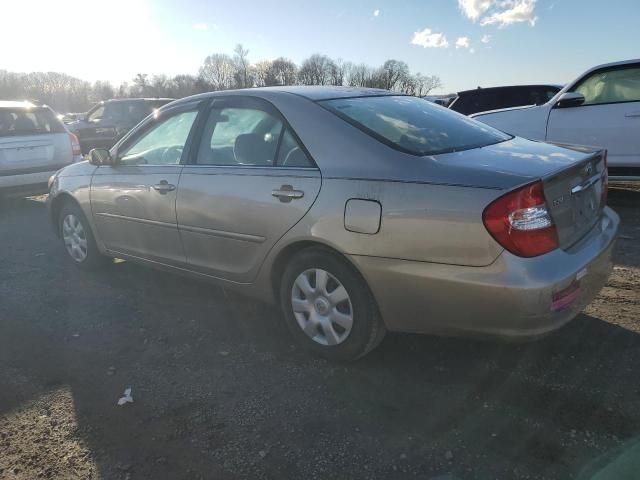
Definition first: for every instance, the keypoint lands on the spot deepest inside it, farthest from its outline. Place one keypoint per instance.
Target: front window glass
(415, 125)
(611, 86)
(163, 144)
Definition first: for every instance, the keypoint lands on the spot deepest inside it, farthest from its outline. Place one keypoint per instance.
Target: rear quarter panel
(424, 222)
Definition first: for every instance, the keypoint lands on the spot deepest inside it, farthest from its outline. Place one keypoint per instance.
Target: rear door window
(240, 136)
(23, 121)
(414, 125)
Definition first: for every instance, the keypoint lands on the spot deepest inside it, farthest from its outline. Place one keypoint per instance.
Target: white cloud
(201, 26)
(486, 38)
(462, 42)
(472, 50)
(428, 39)
(376, 12)
(515, 11)
(472, 9)
(499, 12)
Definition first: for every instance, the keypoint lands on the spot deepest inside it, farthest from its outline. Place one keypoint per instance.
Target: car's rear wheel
(328, 306)
(78, 239)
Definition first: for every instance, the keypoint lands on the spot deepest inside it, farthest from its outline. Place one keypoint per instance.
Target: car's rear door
(134, 201)
(609, 117)
(248, 182)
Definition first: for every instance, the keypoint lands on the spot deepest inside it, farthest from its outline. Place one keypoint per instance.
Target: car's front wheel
(328, 306)
(78, 239)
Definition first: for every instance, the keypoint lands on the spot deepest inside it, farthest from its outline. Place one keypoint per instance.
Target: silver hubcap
(322, 307)
(75, 239)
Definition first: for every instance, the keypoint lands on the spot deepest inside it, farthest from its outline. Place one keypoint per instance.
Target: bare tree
(281, 71)
(218, 70)
(338, 72)
(140, 84)
(392, 72)
(158, 86)
(243, 78)
(316, 70)
(123, 90)
(183, 86)
(359, 75)
(424, 84)
(260, 73)
(102, 91)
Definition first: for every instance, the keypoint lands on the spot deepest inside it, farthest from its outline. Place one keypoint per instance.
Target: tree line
(220, 71)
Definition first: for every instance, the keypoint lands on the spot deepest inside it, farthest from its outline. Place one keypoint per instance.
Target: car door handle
(632, 114)
(163, 187)
(286, 193)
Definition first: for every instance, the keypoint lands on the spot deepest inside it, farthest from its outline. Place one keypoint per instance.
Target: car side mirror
(100, 157)
(570, 99)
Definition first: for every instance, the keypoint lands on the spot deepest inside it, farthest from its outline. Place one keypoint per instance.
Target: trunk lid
(574, 197)
(504, 165)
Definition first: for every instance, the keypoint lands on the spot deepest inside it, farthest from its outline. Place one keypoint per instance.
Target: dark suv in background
(108, 121)
(494, 98)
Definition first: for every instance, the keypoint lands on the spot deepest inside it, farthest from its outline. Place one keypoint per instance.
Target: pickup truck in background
(108, 121)
(600, 108)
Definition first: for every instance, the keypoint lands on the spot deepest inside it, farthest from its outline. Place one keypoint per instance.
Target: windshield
(414, 125)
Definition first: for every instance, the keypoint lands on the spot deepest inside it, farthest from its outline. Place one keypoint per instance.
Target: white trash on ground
(127, 398)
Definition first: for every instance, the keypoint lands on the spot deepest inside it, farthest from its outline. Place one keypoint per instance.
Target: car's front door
(249, 181)
(133, 202)
(609, 116)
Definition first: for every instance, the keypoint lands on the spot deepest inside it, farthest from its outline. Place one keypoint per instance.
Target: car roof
(314, 93)
(614, 64)
(115, 100)
(489, 89)
(17, 104)
(329, 92)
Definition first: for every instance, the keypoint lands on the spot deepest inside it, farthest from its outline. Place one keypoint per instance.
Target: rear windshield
(414, 125)
(23, 121)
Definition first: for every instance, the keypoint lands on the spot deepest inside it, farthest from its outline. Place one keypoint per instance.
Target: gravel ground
(219, 391)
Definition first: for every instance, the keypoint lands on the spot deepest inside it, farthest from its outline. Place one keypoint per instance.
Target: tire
(320, 323)
(77, 238)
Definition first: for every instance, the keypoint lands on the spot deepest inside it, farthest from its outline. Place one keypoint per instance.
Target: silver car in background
(357, 211)
(34, 144)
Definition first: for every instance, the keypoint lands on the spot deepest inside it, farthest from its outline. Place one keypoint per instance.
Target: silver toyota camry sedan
(357, 211)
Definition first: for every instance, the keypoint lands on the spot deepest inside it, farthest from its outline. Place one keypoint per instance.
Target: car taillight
(520, 222)
(75, 145)
(605, 180)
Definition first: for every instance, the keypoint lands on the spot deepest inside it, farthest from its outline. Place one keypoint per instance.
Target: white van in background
(600, 108)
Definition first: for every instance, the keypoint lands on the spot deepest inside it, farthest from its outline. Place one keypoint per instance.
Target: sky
(467, 43)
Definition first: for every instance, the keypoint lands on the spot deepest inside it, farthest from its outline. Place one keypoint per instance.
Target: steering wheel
(170, 154)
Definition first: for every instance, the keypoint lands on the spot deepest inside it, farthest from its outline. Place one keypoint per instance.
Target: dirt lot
(220, 392)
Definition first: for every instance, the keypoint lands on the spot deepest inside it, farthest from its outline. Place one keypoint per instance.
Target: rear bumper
(27, 184)
(510, 298)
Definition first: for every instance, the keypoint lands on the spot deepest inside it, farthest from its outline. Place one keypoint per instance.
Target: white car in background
(34, 144)
(600, 108)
